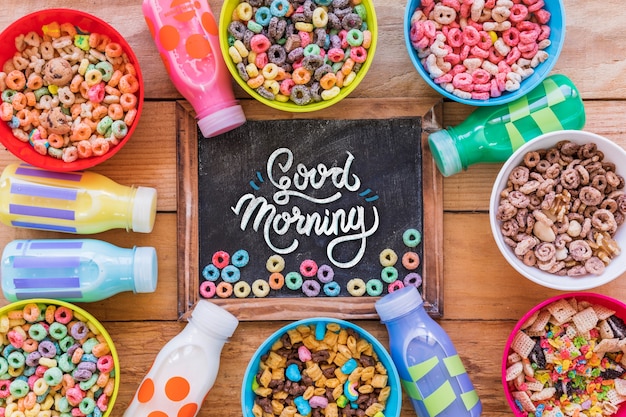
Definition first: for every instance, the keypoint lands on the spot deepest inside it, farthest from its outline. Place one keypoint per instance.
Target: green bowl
(225, 19)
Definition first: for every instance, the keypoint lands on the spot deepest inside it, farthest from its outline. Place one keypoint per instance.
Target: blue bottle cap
(445, 153)
(145, 269)
(398, 303)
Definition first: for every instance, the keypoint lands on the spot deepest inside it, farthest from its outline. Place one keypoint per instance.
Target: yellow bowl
(228, 9)
(96, 329)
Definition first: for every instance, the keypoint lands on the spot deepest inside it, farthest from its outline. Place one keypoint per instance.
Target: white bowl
(612, 153)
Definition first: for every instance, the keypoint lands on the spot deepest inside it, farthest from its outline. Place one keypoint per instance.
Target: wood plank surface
(483, 296)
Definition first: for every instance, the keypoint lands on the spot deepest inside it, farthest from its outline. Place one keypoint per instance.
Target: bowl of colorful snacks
(484, 52)
(72, 90)
(298, 56)
(57, 355)
(557, 210)
(321, 363)
(564, 357)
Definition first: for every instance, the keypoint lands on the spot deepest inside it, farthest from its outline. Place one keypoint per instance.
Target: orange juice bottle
(73, 202)
(185, 369)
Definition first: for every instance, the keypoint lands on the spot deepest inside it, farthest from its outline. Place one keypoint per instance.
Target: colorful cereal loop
(308, 268)
(275, 263)
(388, 257)
(293, 280)
(411, 238)
(356, 287)
(207, 289)
(410, 260)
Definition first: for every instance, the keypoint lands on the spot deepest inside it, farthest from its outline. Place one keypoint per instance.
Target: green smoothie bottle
(492, 134)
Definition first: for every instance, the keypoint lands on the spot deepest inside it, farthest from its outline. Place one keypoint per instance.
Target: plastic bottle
(430, 369)
(186, 35)
(492, 134)
(75, 270)
(73, 202)
(185, 369)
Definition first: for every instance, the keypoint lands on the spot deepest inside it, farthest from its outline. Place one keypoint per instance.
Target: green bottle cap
(445, 153)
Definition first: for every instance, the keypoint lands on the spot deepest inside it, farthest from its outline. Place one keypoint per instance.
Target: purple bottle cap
(398, 303)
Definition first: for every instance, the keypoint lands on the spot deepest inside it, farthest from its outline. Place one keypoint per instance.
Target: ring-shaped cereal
(276, 281)
(356, 287)
(240, 258)
(24, 117)
(260, 288)
(230, 274)
(128, 101)
(396, 285)
(388, 257)
(325, 273)
(374, 287)
(320, 17)
(308, 268)
(207, 289)
(471, 36)
(244, 11)
(99, 146)
(328, 81)
(6, 111)
(293, 280)
(115, 111)
(93, 77)
(275, 263)
(224, 289)
(106, 69)
(336, 54)
(95, 93)
(332, 289)
(301, 76)
(270, 71)
(311, 288)
(263, 16)
(259, 43)
(31, 312)
(119, 129)
(411, 237)
(389, 274)
(279, 8)
(241, 289)
(81, 131)
(63, 315)
(128, 84)
(220, 259)
(410, 260)
(15, 80)
(113, 50)
(35, 82)
(354, 37)
(412, 278)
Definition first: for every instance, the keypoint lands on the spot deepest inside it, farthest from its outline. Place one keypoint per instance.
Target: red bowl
(603, 300)
(87, 23)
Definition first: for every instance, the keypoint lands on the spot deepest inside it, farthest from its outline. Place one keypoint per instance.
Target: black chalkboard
(337, 192)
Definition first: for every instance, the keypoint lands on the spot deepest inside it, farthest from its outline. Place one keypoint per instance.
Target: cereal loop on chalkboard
(388, 257)
(332, 289)
(207, 289)
(240, 258)
(275, 263)
(396, 285)
(356, 287)
(389, 274)
(220, 259)
(210, 272)
(374, 287)
(241, 289)
(325, 273)
(411, 238)
(260, 288)
(308, 268)
(410, 260)
(224, 289)
(311, 288)
(276, 281)
(293, 280)
(230, 274)
(412, 278)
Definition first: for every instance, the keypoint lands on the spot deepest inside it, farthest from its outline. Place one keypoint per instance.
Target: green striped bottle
(492, 134)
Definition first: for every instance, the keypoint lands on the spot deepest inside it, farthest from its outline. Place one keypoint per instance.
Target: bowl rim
(103, 331)
(23, 150)
(253, 363)
(224, 20)
(540, 277)
(583, 296)
(528, 84)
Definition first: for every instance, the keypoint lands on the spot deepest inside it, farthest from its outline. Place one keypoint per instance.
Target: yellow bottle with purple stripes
(72, 202)
(431, 371)
(493, 133)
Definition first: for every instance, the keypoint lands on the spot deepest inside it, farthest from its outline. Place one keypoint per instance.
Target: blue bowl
(394, 402)
(557, 38)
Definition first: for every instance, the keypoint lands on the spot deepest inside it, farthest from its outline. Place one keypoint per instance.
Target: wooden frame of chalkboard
(277, 308)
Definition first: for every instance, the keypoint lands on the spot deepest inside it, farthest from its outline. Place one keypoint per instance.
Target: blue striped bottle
(430, 369)
(75, 270)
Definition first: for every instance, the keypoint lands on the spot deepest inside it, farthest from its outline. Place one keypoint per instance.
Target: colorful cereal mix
(306, 40)
(50, 371)
(58, 87)
(480, 49)
(315, 370)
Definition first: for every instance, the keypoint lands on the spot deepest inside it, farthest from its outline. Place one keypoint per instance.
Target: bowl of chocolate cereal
(557, 210)
(298, 56)
(563, 357)
(72, 90)
(484, 53)
(325, 364)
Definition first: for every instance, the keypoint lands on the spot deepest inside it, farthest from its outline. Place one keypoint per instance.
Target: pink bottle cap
(221, 121)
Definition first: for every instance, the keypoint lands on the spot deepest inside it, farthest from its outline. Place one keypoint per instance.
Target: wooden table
(483, 296)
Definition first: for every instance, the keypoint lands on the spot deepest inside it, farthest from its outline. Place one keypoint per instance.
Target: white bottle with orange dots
(185, 369)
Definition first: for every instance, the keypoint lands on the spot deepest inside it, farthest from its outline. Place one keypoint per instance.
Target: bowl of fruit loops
(298, 55)
(557, 210)
(71, 87)
(565, 357)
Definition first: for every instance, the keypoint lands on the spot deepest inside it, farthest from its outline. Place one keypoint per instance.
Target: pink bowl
(616, 305)
(87, 23)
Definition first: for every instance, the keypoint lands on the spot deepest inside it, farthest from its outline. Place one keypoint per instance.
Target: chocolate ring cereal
(293, 280)
(356, 287)
(241, 289)
(260, 288)
(207, 289)
(276, 281)
(275, 263)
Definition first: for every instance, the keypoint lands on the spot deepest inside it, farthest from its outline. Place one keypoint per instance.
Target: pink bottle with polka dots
(185, 369)
(186, 35)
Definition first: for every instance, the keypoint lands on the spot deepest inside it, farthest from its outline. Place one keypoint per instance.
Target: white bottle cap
(398, 303)
(445, 153)
(213, 318)
(144, 209)
(145, 269)
(221, 121)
